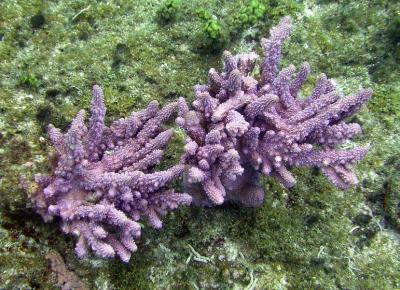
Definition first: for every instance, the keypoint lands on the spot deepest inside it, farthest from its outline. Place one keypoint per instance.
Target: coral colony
(242, 126)
(102, 182)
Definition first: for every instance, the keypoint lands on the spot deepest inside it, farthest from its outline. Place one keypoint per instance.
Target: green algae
(169, 10)
(310, 237)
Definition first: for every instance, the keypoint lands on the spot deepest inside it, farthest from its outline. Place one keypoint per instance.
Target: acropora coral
(246, 122)
(102, 181)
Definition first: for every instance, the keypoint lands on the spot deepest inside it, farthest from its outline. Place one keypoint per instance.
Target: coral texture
(102, 182)
(245, 123)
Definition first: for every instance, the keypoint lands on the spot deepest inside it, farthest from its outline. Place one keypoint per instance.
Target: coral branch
(103, 182)
(242, 126)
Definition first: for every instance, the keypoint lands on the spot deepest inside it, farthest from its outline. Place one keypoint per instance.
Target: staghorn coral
(244, 124)
(102, 182)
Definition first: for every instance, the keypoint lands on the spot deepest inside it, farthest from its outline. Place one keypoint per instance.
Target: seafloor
(310, 237)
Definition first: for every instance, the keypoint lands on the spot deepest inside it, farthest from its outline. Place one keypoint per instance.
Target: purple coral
(242, 126)
(102, 181)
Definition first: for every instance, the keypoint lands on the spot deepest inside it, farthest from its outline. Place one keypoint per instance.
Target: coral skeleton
(66, 279)
(246, 122)
(103, 182)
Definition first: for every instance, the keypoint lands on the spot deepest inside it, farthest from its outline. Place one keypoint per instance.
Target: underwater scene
(172, 144)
